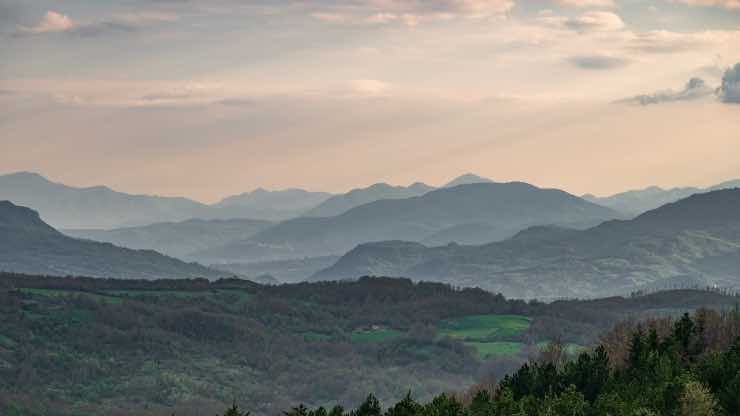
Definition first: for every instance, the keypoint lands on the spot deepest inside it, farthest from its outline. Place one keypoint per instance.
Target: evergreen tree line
(681, 369)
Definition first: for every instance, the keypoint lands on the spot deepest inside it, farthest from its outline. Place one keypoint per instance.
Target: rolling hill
(29, 245)
(693, 242)
(505, 208)
(179, 239)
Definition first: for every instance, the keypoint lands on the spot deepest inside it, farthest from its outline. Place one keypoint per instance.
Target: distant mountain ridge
(102, 208)
(342, 203)
(467, 179)
(339, 204)
(504, 208)
(177, 239)
(693, 241)
(641, 200)
(29, 245)
(270, 205)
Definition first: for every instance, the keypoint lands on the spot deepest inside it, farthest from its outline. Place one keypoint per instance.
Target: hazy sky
(205, 98)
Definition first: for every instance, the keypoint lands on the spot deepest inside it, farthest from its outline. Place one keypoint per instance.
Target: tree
(234, 411)
(370, 407)
(697, 400)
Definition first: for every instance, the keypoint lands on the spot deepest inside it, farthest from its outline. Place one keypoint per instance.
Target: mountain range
(100, 207)
(493, 211)
(269, 205)
(339, 204)
(177, 239)
(695, 241)
(29, 245)
(635, 202)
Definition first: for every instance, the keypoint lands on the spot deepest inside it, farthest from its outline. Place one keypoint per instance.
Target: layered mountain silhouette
(100, 207)
(339, 204)
(502, 208)
(177, 239)
(95, 207)
(467, 179)
(269, 205)
(342, 203)
(695, 241)
(29, 245)
(638, 201)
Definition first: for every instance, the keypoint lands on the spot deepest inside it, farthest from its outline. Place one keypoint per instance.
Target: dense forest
(686, 367)
(83, 346)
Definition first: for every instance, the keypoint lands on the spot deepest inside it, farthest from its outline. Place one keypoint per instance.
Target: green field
(374, 335)
(56, 293)
(478, 328)
(7, 342)
(312, 336)
(179, 294)
(491, 335)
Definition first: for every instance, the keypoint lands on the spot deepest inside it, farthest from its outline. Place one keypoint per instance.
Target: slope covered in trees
(684, 367)
(85, 346)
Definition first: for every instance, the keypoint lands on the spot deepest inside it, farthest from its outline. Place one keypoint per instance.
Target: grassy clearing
(7, 342)
(180, 294)
(55, 293)
(242, 295)
(498, 349)
(491, 335)
(375, 335)
(479, 328)
(312, 336)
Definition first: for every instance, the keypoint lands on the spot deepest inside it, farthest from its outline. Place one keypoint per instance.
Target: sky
(208, 98)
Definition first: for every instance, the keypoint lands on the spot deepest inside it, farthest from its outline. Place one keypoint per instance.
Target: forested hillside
(81, 346)
(686, 367)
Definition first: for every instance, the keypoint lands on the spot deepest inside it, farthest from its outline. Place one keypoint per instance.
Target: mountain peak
(15, 217)
(25, 176)
(467, 179)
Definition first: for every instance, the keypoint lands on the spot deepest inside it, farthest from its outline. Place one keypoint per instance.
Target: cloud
(54, 22)
(695, 89)
(329, 17)
(727, 4)
(366, 88)
(729, 91)
(598, 62)
(410, 12)
(586, 3)
(51, 22)
(663, 41)
(587, 22)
